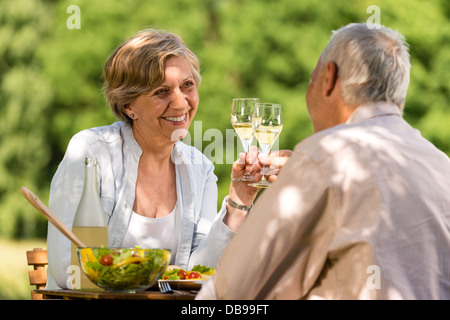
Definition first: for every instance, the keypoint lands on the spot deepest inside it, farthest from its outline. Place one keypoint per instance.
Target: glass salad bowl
(123, 269)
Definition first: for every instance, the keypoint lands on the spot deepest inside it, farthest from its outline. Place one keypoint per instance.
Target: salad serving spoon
(50, 216)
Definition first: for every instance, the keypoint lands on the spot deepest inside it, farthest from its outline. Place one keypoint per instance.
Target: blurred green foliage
(51, 76)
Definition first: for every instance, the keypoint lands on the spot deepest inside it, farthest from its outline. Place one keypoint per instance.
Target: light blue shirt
(202, 234)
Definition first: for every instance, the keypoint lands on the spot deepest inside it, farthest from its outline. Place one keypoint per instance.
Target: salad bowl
(123, 269)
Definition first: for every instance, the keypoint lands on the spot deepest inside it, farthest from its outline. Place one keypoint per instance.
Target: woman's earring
(132, 115)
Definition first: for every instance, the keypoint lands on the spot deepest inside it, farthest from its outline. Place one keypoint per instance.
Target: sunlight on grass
(14, 283)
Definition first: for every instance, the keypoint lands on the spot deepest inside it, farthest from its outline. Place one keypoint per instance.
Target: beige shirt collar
(372, 110)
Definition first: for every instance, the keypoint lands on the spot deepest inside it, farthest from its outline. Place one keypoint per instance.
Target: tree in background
(51, 75)
(26, 99)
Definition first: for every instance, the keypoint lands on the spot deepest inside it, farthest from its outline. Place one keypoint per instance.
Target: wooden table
(106, 295)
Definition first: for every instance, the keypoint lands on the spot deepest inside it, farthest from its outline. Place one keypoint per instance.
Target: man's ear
(331, 76)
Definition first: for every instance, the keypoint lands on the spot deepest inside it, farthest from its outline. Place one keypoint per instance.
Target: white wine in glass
(267, 124)
(241, 119)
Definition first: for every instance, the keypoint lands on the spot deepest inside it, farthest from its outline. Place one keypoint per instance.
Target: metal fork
(164, 287)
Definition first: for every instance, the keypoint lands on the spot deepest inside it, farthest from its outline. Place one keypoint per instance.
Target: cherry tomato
(106, 260)
(182, 274)
(194, 275)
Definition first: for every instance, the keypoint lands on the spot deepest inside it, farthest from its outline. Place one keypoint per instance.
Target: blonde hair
(137, 66)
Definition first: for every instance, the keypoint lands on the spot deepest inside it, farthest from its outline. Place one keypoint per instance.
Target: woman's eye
(161, 92)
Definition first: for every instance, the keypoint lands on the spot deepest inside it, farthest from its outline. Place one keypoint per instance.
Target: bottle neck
(90, 176)
(90, 211)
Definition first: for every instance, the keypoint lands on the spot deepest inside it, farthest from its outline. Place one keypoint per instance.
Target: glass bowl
(123, 269)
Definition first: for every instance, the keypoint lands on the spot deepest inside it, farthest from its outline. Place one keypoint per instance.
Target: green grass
(14, 282)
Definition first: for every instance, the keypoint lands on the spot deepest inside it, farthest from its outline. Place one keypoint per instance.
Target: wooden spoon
(50, 216)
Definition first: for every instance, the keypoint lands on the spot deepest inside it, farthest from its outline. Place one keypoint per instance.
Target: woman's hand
(240, 192)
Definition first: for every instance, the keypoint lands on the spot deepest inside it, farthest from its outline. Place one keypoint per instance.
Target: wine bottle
(90, 223)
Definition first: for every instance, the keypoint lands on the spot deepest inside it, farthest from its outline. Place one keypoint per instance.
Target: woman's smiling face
(169, 107)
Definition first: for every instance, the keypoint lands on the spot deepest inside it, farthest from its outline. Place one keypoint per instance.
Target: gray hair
(373, 64)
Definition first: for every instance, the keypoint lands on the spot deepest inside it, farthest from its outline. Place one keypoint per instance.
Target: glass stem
(265, 150)
(246, 145)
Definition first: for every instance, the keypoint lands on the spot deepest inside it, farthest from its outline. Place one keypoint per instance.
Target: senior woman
(149, 180)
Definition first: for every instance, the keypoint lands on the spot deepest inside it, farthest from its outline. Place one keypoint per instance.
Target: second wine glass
(241, 119)
(267, 125)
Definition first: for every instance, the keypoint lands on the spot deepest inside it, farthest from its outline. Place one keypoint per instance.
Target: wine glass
(241, 119)
(267, 124)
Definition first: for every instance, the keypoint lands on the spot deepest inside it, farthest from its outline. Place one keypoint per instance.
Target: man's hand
(273, 163)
